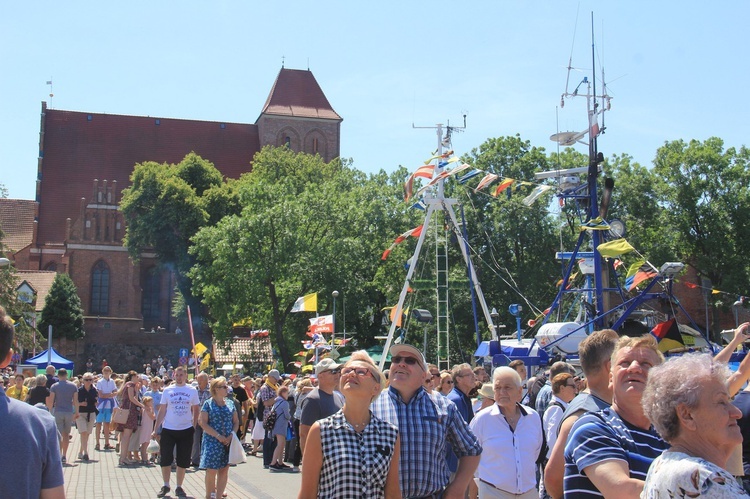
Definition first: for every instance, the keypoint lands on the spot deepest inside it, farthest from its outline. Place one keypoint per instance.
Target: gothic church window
(100, 289)
(151, 291)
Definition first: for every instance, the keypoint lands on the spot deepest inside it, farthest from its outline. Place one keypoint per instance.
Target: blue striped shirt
(601, 436)
(426, 424)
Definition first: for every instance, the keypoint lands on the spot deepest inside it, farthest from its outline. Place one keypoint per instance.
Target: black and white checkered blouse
(355, 464)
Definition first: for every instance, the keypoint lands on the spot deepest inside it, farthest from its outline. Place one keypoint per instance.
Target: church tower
(297, 114)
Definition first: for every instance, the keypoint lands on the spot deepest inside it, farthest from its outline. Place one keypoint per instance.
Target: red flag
(415, 232)
(691, 285)
(668, 335)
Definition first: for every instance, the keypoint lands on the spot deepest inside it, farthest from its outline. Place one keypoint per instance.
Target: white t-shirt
(106, 386)
(179, 402)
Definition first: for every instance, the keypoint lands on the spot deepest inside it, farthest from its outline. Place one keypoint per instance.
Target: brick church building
(85, 161)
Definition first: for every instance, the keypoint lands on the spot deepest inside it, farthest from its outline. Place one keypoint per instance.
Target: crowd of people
(624, 423)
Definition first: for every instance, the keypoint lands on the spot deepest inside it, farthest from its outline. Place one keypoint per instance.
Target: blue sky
(677, 70)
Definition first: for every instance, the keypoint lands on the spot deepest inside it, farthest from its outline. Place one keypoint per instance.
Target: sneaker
(275, 468)
(85, 457)
(163, 491)
(295, 469)
(179, 492)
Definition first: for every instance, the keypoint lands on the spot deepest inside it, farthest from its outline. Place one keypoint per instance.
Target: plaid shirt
(427, 423)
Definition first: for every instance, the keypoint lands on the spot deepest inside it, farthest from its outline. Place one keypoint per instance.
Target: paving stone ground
(101, 478)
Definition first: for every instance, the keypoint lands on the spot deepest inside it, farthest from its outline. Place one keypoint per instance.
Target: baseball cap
(274, 373)
(404, 348)
(325, 365)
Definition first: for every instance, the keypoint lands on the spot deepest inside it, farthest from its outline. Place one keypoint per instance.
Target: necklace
(358, 426)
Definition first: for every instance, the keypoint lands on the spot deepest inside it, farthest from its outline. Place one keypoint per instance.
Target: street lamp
(335, 295)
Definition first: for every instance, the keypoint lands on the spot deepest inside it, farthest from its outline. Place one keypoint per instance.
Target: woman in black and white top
(351, 454)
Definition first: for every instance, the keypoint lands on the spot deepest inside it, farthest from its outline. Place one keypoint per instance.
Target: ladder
(442, 359)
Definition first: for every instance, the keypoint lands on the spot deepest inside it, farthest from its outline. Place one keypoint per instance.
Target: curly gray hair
(678, 381)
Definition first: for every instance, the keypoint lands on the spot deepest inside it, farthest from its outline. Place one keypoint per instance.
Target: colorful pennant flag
(668, 335)
(415, 232)
(611, 249)
(392, 314)
(486, 180)
(466, 177)
(424, 171)
(507, 182)
(594, 131)
(691, 285)
(307, 303)
(420, 205)
(637, 273)
(538, 191)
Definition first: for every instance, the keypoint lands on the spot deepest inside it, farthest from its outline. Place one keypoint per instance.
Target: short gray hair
(507, 371)
(675, 382)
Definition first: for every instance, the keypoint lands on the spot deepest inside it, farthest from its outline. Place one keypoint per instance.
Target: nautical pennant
(415, 232)
(637, 273)
(486, 180)
(507, 182)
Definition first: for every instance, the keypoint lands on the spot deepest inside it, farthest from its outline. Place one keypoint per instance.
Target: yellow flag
(200, 349)
(307, 303)
(205, 362)
(614, 248)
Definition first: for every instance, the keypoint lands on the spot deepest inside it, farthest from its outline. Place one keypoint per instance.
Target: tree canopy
(62, 309)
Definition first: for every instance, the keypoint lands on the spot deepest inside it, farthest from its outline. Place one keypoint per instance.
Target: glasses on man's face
(359, 371)
(333, 371)
(398, 359)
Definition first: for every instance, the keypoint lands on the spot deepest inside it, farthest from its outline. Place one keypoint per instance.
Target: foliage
(166, 205)
(306, 226)
(62, 309)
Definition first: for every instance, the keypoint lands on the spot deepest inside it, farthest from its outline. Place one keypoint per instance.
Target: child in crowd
(147, 426)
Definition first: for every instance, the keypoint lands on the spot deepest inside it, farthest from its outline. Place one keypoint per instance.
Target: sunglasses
(406, 360)
(359, 371)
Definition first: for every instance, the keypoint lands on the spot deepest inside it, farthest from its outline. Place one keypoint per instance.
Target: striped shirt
(427, 424)
(355, 464)
(601, 436)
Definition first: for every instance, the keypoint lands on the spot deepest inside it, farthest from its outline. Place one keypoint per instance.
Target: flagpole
(192, 339)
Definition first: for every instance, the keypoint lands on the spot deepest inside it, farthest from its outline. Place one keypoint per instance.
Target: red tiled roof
(79, 147)
(256, 350)
(40, 280)
(296, 93)
(17, 222)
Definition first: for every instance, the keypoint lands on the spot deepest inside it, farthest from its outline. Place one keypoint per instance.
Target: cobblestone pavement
(102, 478)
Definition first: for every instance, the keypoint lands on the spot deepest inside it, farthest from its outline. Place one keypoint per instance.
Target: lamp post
(736, 306)
(335, 295)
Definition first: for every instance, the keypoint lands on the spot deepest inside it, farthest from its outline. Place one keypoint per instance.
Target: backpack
(270, 420)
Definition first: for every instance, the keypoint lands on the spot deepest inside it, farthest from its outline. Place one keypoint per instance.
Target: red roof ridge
(296, 93)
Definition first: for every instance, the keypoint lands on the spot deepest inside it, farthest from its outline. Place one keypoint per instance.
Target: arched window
(51, 266)
(100, 289)
(151, 292)
(288, 141)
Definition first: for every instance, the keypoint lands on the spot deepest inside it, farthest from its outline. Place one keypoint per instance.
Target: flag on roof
(668, 335)
(637, 273)
(611, 249)
(307, 303)
(415, 232)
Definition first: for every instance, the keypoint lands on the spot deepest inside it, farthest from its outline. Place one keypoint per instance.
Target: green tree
(62, 309)
(306, 226)
(166, 205)
(705, 193)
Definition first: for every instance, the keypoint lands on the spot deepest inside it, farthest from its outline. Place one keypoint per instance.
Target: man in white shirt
(107, 391)
(178, 416)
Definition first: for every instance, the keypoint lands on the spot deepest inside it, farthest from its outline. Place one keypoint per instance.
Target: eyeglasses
(332, 371)
(406, 360)
(359, 371)
(573, 385)
(435, 375)
(465, 374)
(221, 387)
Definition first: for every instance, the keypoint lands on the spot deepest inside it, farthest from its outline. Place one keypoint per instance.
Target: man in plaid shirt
(427, 423)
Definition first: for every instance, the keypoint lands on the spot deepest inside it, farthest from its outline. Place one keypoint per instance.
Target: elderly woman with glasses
(219, 421)
(687, 400)
(351, 454)
(446, 384)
